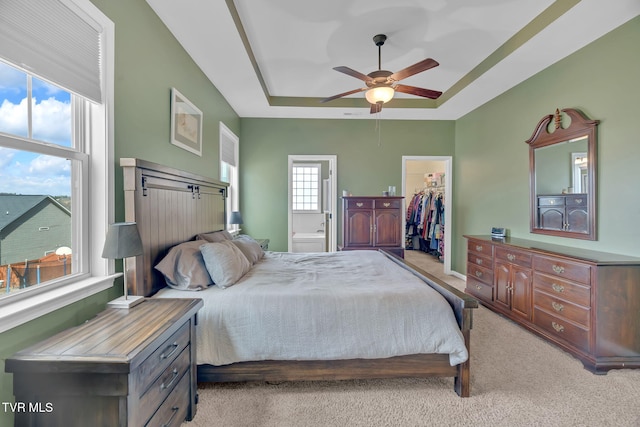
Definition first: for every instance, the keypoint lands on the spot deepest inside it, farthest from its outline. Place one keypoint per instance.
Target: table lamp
(123, 241)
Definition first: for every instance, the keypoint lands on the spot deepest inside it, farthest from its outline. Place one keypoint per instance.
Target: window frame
(318, 168)
(233, 190)
(96, 210)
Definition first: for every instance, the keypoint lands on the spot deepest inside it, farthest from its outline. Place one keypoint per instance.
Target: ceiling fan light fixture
(379, 94)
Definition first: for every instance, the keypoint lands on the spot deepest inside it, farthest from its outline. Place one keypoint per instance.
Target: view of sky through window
(24, 172)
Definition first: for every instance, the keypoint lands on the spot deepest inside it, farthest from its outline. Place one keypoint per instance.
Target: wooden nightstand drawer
(174, 410)
(164, 384)
(162, 357)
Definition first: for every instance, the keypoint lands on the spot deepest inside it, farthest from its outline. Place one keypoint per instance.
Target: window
(56, 150)
(306, 187)
(229, 171)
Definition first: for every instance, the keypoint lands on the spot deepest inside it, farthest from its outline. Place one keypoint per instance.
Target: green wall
(148, 62)
(491, 170)
(369, 161)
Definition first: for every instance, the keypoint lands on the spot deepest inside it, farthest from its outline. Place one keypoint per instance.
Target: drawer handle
(359, 204)
(557, 288)
(511, 257)
(478, 287)
(479, 261)
(171, 348)
(557, 306)
(386, 204)
(478, 248)
(478, 273)
(558, 269)
(558, 327)
(578, 201)
(175, 410)
(173, 378)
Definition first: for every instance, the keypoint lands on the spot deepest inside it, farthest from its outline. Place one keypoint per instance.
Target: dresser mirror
(562, 175)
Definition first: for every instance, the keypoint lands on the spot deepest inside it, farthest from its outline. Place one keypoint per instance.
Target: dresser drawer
(562, 308)
(162, 357)
(513, 256)
(562, 329)
(388, 204)
(566, 269)
(358, 203)
(577, 200)
(480, 260)
(164, 384)
(174, 410)
(551, 201)
(480, 273)
(481, 248)
(568, 291)
(479, 289)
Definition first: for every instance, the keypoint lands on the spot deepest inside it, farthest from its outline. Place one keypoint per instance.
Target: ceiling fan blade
(376, 108)
(412, 90)
(353, 73)
(419, 67)
(331, 98)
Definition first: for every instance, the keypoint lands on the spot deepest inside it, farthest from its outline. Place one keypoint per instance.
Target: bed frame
(172, 206)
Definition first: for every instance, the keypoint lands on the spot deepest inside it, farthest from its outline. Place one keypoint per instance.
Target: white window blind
(228, 143)
(55, 40)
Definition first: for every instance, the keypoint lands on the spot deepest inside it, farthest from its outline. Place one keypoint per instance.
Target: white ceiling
(274, 58)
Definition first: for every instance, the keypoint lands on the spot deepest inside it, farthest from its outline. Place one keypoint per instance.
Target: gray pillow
(225, 263)
(183, 267)
(249, 247)
(215, 236)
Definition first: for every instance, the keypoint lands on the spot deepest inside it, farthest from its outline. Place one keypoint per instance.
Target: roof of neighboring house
(13, 206)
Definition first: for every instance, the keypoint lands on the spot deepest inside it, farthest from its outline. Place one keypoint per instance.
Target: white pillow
(183, 267)
(249, 247)
(225, 263)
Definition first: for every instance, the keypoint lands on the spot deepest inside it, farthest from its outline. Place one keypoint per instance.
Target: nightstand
(121, 368)
(264, 244)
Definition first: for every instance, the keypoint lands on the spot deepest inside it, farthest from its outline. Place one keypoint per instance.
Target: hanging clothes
(425, 223)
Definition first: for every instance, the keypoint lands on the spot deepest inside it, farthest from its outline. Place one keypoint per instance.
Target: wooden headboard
(170, 206)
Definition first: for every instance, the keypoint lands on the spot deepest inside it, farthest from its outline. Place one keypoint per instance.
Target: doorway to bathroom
(426, 180)
(312, 207)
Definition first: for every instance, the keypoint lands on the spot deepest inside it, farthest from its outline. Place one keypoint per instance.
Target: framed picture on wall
(186, 123)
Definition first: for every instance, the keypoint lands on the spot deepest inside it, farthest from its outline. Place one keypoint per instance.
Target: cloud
(51, 120)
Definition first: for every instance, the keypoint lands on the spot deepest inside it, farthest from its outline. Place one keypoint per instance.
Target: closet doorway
(429, 175)
(312, 206)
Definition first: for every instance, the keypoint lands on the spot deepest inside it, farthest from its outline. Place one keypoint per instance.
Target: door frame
(448, 160)
(333, 183)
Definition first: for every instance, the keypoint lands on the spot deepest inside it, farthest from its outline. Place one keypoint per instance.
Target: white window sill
(31, 307)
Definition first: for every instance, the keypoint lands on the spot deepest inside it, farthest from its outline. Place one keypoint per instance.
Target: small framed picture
(186, 123)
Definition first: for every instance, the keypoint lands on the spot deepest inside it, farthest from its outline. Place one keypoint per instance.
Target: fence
(33, 272)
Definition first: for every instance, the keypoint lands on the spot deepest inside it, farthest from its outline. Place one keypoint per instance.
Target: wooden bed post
(462, 382)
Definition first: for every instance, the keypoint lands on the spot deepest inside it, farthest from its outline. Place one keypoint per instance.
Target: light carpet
(517, 379)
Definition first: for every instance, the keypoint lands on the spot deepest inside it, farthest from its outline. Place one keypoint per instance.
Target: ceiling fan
(381, 84)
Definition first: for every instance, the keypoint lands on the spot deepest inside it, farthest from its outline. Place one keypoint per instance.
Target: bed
(172, 207)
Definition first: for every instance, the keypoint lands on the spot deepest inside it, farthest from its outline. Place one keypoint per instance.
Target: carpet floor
(517, 379)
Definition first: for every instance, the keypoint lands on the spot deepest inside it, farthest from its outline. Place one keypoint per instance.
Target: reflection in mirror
(562, 175)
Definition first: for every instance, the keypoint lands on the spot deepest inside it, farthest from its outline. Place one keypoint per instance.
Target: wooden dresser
(372, 223)
(586, 302)
(122, 368)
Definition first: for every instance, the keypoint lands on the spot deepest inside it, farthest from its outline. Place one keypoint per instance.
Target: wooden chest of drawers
(586, 302)
(122, 368)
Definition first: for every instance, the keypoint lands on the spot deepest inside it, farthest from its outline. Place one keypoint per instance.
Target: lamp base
(125, 303)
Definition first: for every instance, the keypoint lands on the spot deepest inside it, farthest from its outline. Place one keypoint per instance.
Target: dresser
(372, 223)
(585, 302)
(124, 367)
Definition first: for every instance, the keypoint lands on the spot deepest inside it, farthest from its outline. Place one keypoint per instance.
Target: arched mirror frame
(543, 136)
